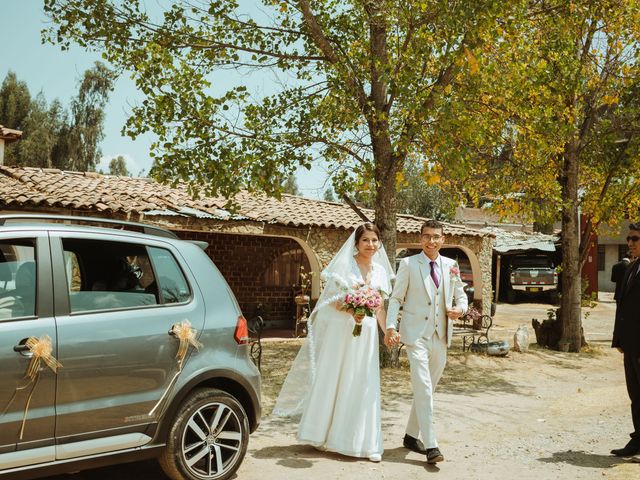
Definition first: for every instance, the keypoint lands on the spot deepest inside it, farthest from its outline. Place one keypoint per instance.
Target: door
(27, 412)
(113, 333)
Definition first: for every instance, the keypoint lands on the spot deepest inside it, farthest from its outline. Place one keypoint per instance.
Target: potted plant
(303, 298)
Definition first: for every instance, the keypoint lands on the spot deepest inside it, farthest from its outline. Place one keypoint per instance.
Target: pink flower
(362, 300)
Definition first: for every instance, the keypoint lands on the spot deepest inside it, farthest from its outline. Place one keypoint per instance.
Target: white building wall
(604, 277)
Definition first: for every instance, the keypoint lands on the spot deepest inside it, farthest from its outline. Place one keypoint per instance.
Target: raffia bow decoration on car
(40, 349)
(186, 335)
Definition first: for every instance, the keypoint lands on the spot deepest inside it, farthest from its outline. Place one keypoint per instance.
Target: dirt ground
(540, 415)
(537, 415)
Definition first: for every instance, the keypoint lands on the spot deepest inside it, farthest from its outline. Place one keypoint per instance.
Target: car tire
(208, 437)
(511, 296)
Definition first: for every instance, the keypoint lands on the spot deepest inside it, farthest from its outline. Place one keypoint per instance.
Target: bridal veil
(338, 277)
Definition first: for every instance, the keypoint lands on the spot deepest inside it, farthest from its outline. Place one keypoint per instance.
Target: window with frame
(18, 278)
(601, 257)
(172, 284)
(623, 251)
(106, 275)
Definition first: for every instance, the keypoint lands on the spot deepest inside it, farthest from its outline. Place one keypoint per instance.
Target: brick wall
(242, 259)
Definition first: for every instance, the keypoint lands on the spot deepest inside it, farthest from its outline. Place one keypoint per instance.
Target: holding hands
(454, 313)
(391, 337)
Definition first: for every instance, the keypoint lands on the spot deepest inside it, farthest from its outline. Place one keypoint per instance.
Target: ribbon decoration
(186, 335)
(40, 349)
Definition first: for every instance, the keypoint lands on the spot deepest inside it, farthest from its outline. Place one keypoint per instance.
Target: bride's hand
(357, 316)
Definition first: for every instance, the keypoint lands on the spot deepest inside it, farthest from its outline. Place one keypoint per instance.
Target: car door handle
(23, 348)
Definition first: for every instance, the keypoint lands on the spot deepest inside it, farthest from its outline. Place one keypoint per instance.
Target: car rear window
(18, 278)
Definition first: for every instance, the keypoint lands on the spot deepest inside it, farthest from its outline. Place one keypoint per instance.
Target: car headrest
(5, 272)
(26, 275)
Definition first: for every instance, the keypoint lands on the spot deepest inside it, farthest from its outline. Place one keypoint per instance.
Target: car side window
(18, 278)
(173, 286)
(106, 275)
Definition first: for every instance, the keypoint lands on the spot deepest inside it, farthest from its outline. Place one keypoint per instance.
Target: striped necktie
(434, 273)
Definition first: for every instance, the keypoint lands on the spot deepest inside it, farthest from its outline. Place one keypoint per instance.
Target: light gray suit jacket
(411, 291)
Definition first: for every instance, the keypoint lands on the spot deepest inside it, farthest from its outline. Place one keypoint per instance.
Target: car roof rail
(148, 229)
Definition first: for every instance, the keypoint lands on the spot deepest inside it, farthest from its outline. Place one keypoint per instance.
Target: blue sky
(47, 68)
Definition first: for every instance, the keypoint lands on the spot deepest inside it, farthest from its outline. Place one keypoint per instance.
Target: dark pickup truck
(532, 275)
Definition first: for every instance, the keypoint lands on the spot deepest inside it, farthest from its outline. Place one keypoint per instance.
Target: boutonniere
(454, 274)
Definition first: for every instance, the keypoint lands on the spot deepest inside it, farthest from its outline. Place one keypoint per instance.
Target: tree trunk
(571, 338)
(386, 210)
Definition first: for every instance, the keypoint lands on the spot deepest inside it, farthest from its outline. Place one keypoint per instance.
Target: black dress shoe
(629, 450)
(414, 444)
(434, 455)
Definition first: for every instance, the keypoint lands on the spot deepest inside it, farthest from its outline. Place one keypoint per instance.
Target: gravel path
(540, 415)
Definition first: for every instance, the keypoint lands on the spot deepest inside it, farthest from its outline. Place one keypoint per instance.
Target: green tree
(117, 166)
(53, 136)
(40, 130)
(366, 83)
(15, 106)
(290, 186)
(15, 102)
(329, 195)
(564, 117)
(87, 118)
(417, 197)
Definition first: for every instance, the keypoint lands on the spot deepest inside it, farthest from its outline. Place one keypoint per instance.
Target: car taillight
(513, 277)
(241, 334)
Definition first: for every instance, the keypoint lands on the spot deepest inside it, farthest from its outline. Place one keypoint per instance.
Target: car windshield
(532, 262)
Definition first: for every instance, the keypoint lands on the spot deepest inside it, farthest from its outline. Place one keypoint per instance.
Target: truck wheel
(207, 439)
(511, 296)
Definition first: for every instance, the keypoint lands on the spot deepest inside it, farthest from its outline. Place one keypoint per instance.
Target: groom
(427, 286)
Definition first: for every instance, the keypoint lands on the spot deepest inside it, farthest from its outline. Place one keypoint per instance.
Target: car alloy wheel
(208, 438)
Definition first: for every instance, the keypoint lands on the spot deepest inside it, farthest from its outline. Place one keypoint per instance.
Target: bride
(333, 386)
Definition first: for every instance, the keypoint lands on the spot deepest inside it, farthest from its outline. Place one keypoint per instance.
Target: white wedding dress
(334, 383)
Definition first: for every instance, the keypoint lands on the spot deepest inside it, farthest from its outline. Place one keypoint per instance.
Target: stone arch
(476, 270)
(314, 263)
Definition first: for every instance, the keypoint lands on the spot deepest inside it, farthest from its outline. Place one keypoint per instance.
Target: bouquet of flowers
(362, 299)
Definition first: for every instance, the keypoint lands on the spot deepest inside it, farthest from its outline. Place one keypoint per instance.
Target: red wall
(242, 259)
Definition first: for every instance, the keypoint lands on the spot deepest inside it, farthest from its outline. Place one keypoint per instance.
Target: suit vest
(437, 316)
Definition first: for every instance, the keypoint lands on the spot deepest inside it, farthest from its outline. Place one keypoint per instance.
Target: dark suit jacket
(626, 332)
(617, 274)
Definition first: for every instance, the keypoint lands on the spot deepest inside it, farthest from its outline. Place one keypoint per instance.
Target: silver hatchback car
(118, 342)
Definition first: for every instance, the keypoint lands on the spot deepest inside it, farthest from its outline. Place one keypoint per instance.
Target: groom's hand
(454, 313)
(391, 337)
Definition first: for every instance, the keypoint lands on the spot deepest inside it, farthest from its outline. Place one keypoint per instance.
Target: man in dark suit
(617, 273)
(626, 338)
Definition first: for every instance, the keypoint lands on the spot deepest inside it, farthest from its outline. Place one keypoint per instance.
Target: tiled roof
(9, 134)
(104, 194)
(511, 241)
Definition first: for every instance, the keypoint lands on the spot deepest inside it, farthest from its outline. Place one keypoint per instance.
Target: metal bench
(255, 326)
(474, 331)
